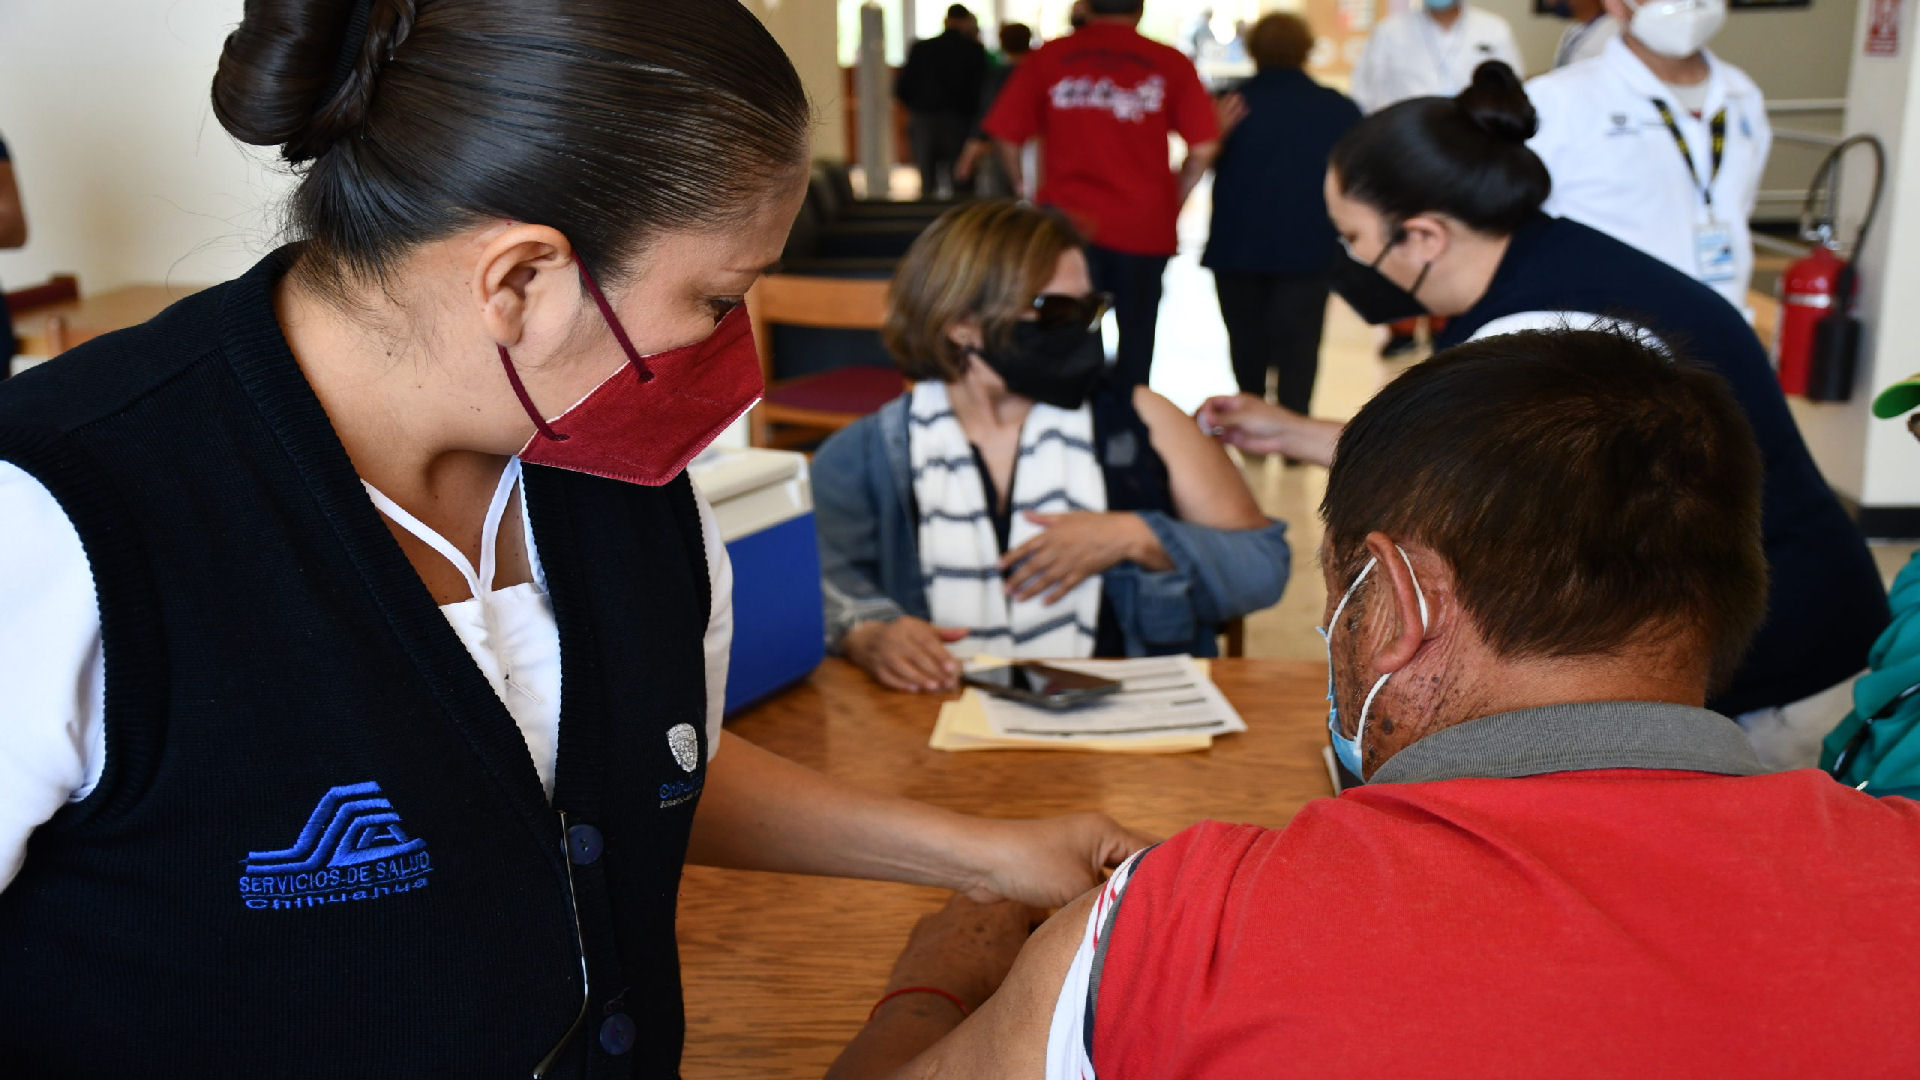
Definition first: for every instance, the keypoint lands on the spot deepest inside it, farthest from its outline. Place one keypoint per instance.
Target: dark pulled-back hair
(609, 120)
(1116, 7)
(1589, 492)
(1463, 156)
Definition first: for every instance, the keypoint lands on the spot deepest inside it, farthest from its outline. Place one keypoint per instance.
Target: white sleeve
(719, 639)
(1365, 88)
(1763, 146)
(52, 676)
(1067, 1057)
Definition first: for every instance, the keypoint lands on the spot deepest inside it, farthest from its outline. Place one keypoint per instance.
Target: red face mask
(649, 419)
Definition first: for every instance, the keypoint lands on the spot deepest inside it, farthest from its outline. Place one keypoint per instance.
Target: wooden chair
(58, 289)
(1235, 633)
(811, 407)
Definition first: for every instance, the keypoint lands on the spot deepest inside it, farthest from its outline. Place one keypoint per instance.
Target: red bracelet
(957, 1003)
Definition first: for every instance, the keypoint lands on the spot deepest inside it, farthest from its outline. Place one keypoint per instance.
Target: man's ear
(1415, 615)
(518, 269)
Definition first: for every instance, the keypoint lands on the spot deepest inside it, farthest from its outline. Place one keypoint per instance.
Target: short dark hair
(958, 11)
(1587, 489)
(1280, 40)
(1116, 7)
(608, 121)
(1463, 156)
(1016, 39)
(989, 259)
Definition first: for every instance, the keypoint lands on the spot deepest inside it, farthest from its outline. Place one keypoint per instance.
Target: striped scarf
(1055, 472)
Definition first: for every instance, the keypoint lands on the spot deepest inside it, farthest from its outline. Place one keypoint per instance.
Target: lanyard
(1717, 127)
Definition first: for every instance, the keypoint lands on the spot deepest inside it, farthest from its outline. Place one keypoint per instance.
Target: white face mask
(1676, 28)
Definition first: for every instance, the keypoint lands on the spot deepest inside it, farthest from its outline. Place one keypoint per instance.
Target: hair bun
(279, 84)
(1497, 103)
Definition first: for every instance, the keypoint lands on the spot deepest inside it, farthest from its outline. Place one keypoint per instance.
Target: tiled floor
(1190, 364)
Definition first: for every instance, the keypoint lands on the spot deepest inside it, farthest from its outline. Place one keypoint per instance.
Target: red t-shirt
(1617, 923)
(1102, 100)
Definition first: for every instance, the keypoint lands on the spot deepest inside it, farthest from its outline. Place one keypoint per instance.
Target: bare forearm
(762, 812)
(1314, 440)
(1199, 160)
(1010, 161)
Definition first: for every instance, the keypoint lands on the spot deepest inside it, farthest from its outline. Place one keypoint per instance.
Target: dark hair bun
(289, 76)
(1497, 103)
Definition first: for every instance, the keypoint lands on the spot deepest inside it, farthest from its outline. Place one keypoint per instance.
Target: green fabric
(1890, 758)
(1898, 399)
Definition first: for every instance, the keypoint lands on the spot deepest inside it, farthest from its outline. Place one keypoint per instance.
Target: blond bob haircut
(985, 260)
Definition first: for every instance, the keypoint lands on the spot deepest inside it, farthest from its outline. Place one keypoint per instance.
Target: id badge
(1713, 253)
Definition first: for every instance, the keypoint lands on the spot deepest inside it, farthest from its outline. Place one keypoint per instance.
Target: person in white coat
(1430, 52)
(1659, 143)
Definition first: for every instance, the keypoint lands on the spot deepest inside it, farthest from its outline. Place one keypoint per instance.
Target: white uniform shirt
(1616, 166)
(1410, 55)
(1585, 40)
(52, 671)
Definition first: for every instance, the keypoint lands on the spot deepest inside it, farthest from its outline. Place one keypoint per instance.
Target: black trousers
(1274, 322)
(937, 139)
(1134, 281)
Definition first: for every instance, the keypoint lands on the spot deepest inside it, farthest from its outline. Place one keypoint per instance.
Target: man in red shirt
(1541, 550)
(1102, 101)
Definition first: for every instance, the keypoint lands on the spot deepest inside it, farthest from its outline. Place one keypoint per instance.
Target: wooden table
(114, 309)
(780, 970)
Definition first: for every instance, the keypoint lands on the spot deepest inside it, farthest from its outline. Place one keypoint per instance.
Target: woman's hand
(1258, 426)
(1046, 862)
(1074, 547)
(905, 654)
(1230, 109)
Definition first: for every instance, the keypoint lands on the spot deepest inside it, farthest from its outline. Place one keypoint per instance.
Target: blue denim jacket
(870, 555)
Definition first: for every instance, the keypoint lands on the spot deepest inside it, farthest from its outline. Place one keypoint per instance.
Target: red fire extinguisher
(1818, 342)
(1806, 297)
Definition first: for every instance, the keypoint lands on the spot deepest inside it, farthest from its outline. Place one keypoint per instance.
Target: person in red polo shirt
(1541, 550)
(1102, 102)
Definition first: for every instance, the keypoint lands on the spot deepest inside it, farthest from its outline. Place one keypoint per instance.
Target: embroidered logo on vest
(352, 848)
(685, 744)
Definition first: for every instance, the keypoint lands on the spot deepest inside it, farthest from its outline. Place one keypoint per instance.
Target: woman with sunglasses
(362, 639)
(1442, 197)
(1014, 502)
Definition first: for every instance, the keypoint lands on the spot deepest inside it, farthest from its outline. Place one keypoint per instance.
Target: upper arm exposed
(1207, 487)
(1007, 1037)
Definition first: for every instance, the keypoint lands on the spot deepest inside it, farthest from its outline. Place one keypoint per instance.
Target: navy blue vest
(320, 847)
(1825, 603)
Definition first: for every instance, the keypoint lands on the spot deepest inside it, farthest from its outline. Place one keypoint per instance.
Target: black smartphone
(1039, 684)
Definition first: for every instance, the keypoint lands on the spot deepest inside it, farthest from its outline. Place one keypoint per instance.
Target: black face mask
(1368, 292)
(1057, 365)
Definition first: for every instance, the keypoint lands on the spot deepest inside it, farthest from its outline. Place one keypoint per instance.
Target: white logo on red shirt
(1129, 104)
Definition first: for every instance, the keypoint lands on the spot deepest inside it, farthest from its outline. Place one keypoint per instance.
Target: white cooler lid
(752, 488)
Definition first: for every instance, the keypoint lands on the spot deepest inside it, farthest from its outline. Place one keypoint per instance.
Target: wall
(809, 31)
(1875, 462)
(124, 173)
(127, 177)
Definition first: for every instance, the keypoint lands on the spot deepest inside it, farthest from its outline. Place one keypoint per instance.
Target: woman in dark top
(1014, 502)
(1443, 197)
(364, 664)
(1270, 241)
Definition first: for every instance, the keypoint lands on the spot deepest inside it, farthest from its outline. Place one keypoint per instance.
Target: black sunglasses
(1056, 310)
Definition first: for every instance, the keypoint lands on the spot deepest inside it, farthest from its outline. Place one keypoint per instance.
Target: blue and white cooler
(764, 504)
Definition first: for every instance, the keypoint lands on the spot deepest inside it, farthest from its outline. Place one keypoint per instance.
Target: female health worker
(363, 639)
(1442, 197)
